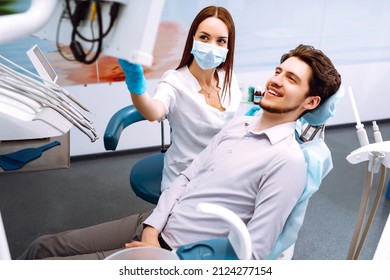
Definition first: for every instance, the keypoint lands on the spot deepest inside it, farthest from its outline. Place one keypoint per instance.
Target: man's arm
(279, 191)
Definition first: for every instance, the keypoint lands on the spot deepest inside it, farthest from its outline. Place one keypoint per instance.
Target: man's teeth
(273, 92)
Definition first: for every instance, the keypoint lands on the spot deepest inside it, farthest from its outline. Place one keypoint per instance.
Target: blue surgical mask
(208, 56)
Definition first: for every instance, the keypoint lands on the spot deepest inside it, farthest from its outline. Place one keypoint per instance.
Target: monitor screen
(42, 65)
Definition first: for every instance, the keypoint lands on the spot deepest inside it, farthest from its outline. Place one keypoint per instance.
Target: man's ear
(312, 102)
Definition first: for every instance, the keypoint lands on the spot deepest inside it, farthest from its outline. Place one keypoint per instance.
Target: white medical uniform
(193, 122)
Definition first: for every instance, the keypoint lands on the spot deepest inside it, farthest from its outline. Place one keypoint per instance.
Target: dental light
(16, 26)
(124, 29)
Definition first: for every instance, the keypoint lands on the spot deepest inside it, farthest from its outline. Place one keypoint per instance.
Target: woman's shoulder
(175, 73)
(179, 78)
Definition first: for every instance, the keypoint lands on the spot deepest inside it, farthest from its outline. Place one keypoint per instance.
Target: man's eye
(291, 78)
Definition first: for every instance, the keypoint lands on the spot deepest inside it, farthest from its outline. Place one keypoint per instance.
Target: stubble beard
(277, 109)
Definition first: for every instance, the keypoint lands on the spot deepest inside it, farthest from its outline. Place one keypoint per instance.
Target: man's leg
(95, 242)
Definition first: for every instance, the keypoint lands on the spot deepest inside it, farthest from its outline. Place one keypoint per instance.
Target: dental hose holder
(377, 156)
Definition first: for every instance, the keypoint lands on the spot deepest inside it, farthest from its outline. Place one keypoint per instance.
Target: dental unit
(32, 107)
(377, 156)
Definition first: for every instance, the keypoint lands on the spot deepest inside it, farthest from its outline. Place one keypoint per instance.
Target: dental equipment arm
(130, 27)
(22, 24)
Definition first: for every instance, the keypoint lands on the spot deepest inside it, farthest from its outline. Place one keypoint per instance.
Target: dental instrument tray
(34, 107)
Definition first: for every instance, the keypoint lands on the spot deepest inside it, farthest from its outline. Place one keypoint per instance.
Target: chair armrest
(118, 122)
(213, 249)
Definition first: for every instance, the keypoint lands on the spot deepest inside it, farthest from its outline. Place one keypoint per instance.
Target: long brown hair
(224, 15)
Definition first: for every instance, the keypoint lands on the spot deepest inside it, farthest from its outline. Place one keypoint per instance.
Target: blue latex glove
(252, 111)
(135, 79)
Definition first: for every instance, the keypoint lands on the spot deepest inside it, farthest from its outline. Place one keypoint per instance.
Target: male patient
(254, 167)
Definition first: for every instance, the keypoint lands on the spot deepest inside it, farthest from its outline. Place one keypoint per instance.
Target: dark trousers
(91, 243)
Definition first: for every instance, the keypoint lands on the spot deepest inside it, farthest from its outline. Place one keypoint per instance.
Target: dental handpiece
(377, 133)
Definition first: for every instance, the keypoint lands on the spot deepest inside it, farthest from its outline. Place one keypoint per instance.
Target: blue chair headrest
(322, 113)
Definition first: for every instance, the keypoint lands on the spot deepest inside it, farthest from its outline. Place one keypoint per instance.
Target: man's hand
(134, 244)
(149, 238)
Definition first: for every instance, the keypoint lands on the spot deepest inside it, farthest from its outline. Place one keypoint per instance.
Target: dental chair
(310, 135)
(146, 175)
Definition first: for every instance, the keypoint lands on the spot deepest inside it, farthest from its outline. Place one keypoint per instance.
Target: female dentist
(199, 97)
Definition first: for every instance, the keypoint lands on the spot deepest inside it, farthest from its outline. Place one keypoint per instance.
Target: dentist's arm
(150, 108)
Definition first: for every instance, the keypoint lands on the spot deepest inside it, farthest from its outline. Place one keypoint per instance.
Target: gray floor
(96, 189)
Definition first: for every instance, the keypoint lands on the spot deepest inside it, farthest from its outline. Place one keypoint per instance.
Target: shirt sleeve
(166, 91)
(279, 191)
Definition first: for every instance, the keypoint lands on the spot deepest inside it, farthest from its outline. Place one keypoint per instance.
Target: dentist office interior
(77, 182)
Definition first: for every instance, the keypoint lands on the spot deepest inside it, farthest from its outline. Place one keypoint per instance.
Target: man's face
(286, 91)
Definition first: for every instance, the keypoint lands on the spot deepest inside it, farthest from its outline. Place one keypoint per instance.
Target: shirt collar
(276, 133)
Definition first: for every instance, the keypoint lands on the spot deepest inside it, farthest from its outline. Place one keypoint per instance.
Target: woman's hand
(135, 79)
